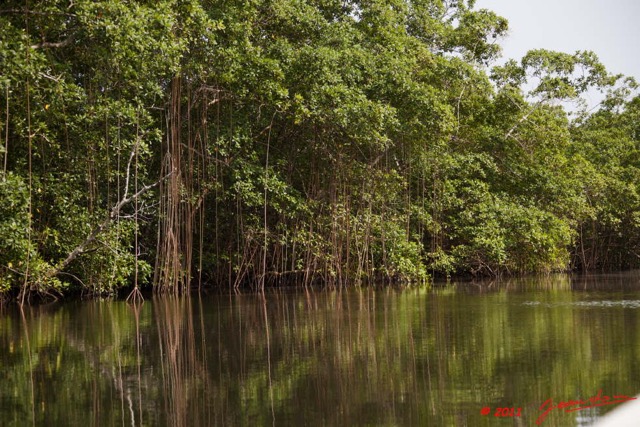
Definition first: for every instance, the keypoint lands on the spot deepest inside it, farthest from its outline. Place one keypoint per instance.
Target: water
(343, 358)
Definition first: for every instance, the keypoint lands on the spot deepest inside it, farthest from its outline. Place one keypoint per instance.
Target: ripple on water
(588, 304)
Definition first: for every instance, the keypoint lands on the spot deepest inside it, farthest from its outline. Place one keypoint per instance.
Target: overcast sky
(610, 28)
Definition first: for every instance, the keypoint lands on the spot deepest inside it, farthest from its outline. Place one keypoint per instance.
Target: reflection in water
(356, 357)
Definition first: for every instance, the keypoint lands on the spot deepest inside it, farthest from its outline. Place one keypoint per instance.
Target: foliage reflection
(356, 357)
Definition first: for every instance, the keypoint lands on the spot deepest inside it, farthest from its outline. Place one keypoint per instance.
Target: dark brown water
(343, 358)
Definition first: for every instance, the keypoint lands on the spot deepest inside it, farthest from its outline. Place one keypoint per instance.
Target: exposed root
(135, 297)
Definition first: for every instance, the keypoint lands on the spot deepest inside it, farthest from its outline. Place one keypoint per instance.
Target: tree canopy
(233, 143)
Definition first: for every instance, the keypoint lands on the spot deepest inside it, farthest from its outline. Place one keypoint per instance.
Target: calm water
(344, 358)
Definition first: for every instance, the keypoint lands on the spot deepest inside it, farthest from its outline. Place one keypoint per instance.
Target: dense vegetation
(283, 141)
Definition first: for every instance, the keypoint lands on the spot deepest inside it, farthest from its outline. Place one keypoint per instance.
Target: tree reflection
(356, 357)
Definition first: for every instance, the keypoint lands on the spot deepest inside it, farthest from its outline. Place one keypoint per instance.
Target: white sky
(610, 28)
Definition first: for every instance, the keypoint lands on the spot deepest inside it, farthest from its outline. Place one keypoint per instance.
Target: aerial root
(135, 297)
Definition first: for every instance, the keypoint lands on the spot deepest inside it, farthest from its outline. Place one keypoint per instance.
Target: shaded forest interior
(171, 144)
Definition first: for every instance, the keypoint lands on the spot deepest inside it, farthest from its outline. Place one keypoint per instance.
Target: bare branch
(103, 226)
(522, 119)
(131, 156)
(63, 43)
(55, 79)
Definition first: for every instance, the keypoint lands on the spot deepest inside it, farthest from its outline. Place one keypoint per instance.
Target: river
(448, 355)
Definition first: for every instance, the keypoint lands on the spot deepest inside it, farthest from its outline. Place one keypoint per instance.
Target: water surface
(333, 357)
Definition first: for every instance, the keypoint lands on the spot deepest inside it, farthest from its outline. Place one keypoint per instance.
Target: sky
(610, 28)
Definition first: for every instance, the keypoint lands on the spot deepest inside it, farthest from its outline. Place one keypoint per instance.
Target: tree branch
(63, 43)
(522, 119)
(115, 211)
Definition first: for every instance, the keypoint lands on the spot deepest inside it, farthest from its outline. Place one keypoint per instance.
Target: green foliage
(14, 228)
(20, 261)
(608, 234)
(342, 142)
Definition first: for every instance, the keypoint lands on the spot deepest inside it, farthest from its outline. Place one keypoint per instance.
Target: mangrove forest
(173, 144)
